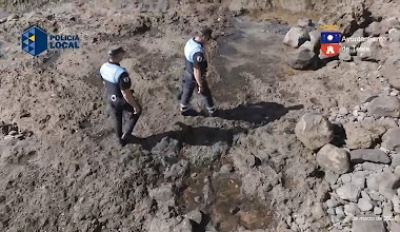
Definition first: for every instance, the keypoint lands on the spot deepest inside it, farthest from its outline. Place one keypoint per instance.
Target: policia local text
(64, 41)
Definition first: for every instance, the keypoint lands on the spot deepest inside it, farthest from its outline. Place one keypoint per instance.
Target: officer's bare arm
(197, 75)
(125, 86)
(127, 93)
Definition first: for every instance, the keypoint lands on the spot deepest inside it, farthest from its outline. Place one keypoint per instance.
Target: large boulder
(394, 35)
(362, 135)
(314, 131)
(390, 69)
(386, 106)
(388, 24)
(315, 35)
(391, 140)
(333, 159)
(369, 155)
(304, 58)
(368, 225)
(385, 183)
(311, 45)
(295, 37)
(374, 29)
(369, 50)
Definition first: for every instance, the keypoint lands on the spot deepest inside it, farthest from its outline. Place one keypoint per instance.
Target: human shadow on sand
(260, 113)
(195, 136)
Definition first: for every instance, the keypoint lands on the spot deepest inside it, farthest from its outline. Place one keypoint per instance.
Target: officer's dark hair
(206, 32)
(115, 51)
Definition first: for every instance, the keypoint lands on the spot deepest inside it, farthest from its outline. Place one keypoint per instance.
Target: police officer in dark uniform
(119, 95)
(194, 74)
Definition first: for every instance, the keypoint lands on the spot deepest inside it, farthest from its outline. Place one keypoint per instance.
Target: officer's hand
(138, 110)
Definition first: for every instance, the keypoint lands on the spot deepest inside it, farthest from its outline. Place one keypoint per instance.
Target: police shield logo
(126, 79)
(330, 49)
(199, 59)
(34, 40)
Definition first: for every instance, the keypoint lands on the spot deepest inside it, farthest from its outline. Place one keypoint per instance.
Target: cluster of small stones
(363, 169)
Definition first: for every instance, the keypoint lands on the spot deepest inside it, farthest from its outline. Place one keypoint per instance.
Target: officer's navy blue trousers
(118, 108)
(189, 85)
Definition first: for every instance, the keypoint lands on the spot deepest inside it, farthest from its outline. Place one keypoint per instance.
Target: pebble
(377, 211)
(294, 227)
(343, 111)
(334, 219)
(195, 216)
(394, 92)
(375, 196)
(349, 192)
(387, 209)
(332, 203)
(367, 166)
(364, 108)
(396, 204)
(397, 218)
(371, 155)
(289, 220)
(300, 221)
(394, 226)
(368, 225)
(358, 168)
(388, 169)
(339, 211)
(397, 170)
(351, 209)
(226, 168)
(384, 150)
(13, 17)
(251, 161)
(345, 178)
(331, 177)
(347, 220)
(395, 160)
(364, 205)
(369, 119)
(234, 210)
(366, 196)
(331, 211)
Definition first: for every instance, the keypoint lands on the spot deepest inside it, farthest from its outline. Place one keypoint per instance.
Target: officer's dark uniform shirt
(116, 79)
(194, 56)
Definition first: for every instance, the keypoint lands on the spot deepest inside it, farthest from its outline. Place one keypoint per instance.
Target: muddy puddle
(249, 49)
(229, 209)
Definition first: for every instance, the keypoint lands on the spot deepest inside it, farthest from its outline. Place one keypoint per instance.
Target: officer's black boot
(212, 111)
(188, 111)
(122, 142)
